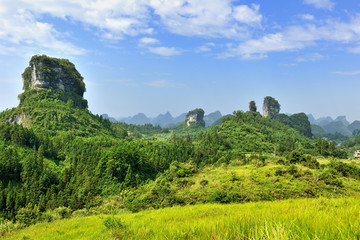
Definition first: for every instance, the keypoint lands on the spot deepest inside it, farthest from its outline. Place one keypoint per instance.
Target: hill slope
(291, 219)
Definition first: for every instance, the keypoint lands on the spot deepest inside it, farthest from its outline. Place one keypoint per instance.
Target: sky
(155, 56)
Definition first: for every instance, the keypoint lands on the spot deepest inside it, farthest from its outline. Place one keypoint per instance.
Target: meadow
(320, 218)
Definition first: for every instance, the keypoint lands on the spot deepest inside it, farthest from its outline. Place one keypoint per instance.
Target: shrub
(28, 215)
(219, 196)
(296, 157)
(81, 213)
(327, 175)
(113, 223)
(279, 172)
(116, 226)
(63, 212)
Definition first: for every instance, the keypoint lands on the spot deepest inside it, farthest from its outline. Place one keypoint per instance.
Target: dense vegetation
(81, 158)
(57, 160)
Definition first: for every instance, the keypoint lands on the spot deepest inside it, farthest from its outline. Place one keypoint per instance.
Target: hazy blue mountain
(219, 121)
(180, 118)
(329, 125)
(108, 117)
(343, 120)
(311, 118)
(138, 119)
(354, 125)
(322, 121)
(166, 120)
(334, 127)
(163, 120)
(211, 118)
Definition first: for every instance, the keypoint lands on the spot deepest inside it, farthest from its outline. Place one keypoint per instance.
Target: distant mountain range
(164, 120)
(319, 127)
(326, 125)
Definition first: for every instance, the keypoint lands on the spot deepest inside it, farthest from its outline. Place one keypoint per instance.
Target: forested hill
(58, 159)
(53, 101)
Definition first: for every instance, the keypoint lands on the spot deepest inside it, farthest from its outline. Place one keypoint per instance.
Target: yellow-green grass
(289, 219)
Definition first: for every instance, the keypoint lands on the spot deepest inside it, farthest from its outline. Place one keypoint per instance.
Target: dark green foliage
(31, 96)
(306, 160)
(297, 121)
(220, 196)
(249, 132)
(63, 158)
(28, 215)
(113, 223)
(146, 129)
(252, 106)
(345, 169)
(49, 111)
(326, 148)
(161, 192)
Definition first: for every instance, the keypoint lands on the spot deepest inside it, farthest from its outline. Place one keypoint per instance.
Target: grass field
(289, 219)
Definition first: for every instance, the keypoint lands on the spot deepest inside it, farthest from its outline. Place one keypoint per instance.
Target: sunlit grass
(290, 219)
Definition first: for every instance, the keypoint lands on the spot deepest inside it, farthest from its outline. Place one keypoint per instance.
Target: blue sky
(154, 56)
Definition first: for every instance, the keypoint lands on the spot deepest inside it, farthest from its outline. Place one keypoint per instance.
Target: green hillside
(51, 111)
(291, 219)
(58, 160)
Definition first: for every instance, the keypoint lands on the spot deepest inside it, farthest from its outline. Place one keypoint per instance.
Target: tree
(271, 107)
(252, 106)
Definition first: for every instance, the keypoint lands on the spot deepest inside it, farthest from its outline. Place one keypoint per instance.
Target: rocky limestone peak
(196, 115)
(53, 73)
(271, 107)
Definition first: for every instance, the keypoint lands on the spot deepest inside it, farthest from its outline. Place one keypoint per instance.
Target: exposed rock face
(18, 119)
(53, 73)
(196, 115)
(271, 107)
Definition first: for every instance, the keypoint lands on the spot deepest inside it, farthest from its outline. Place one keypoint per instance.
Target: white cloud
(248, 15)
(307, 17)
(322, 4)
(207, 47)
(148, 41)
(298, 37)
(310, 58)
(216, 18)
(351, 73)
(165, 51)
(22, 22)
(21, 32)
(203, 49)
(354, 49)
(113, 18)
(258, 48)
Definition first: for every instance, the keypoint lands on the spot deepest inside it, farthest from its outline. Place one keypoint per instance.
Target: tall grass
(290, 219)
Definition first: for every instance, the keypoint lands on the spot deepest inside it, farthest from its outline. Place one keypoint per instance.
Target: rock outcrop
(271, 107)
(195, 116)
(21, 119)
(53, 73)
